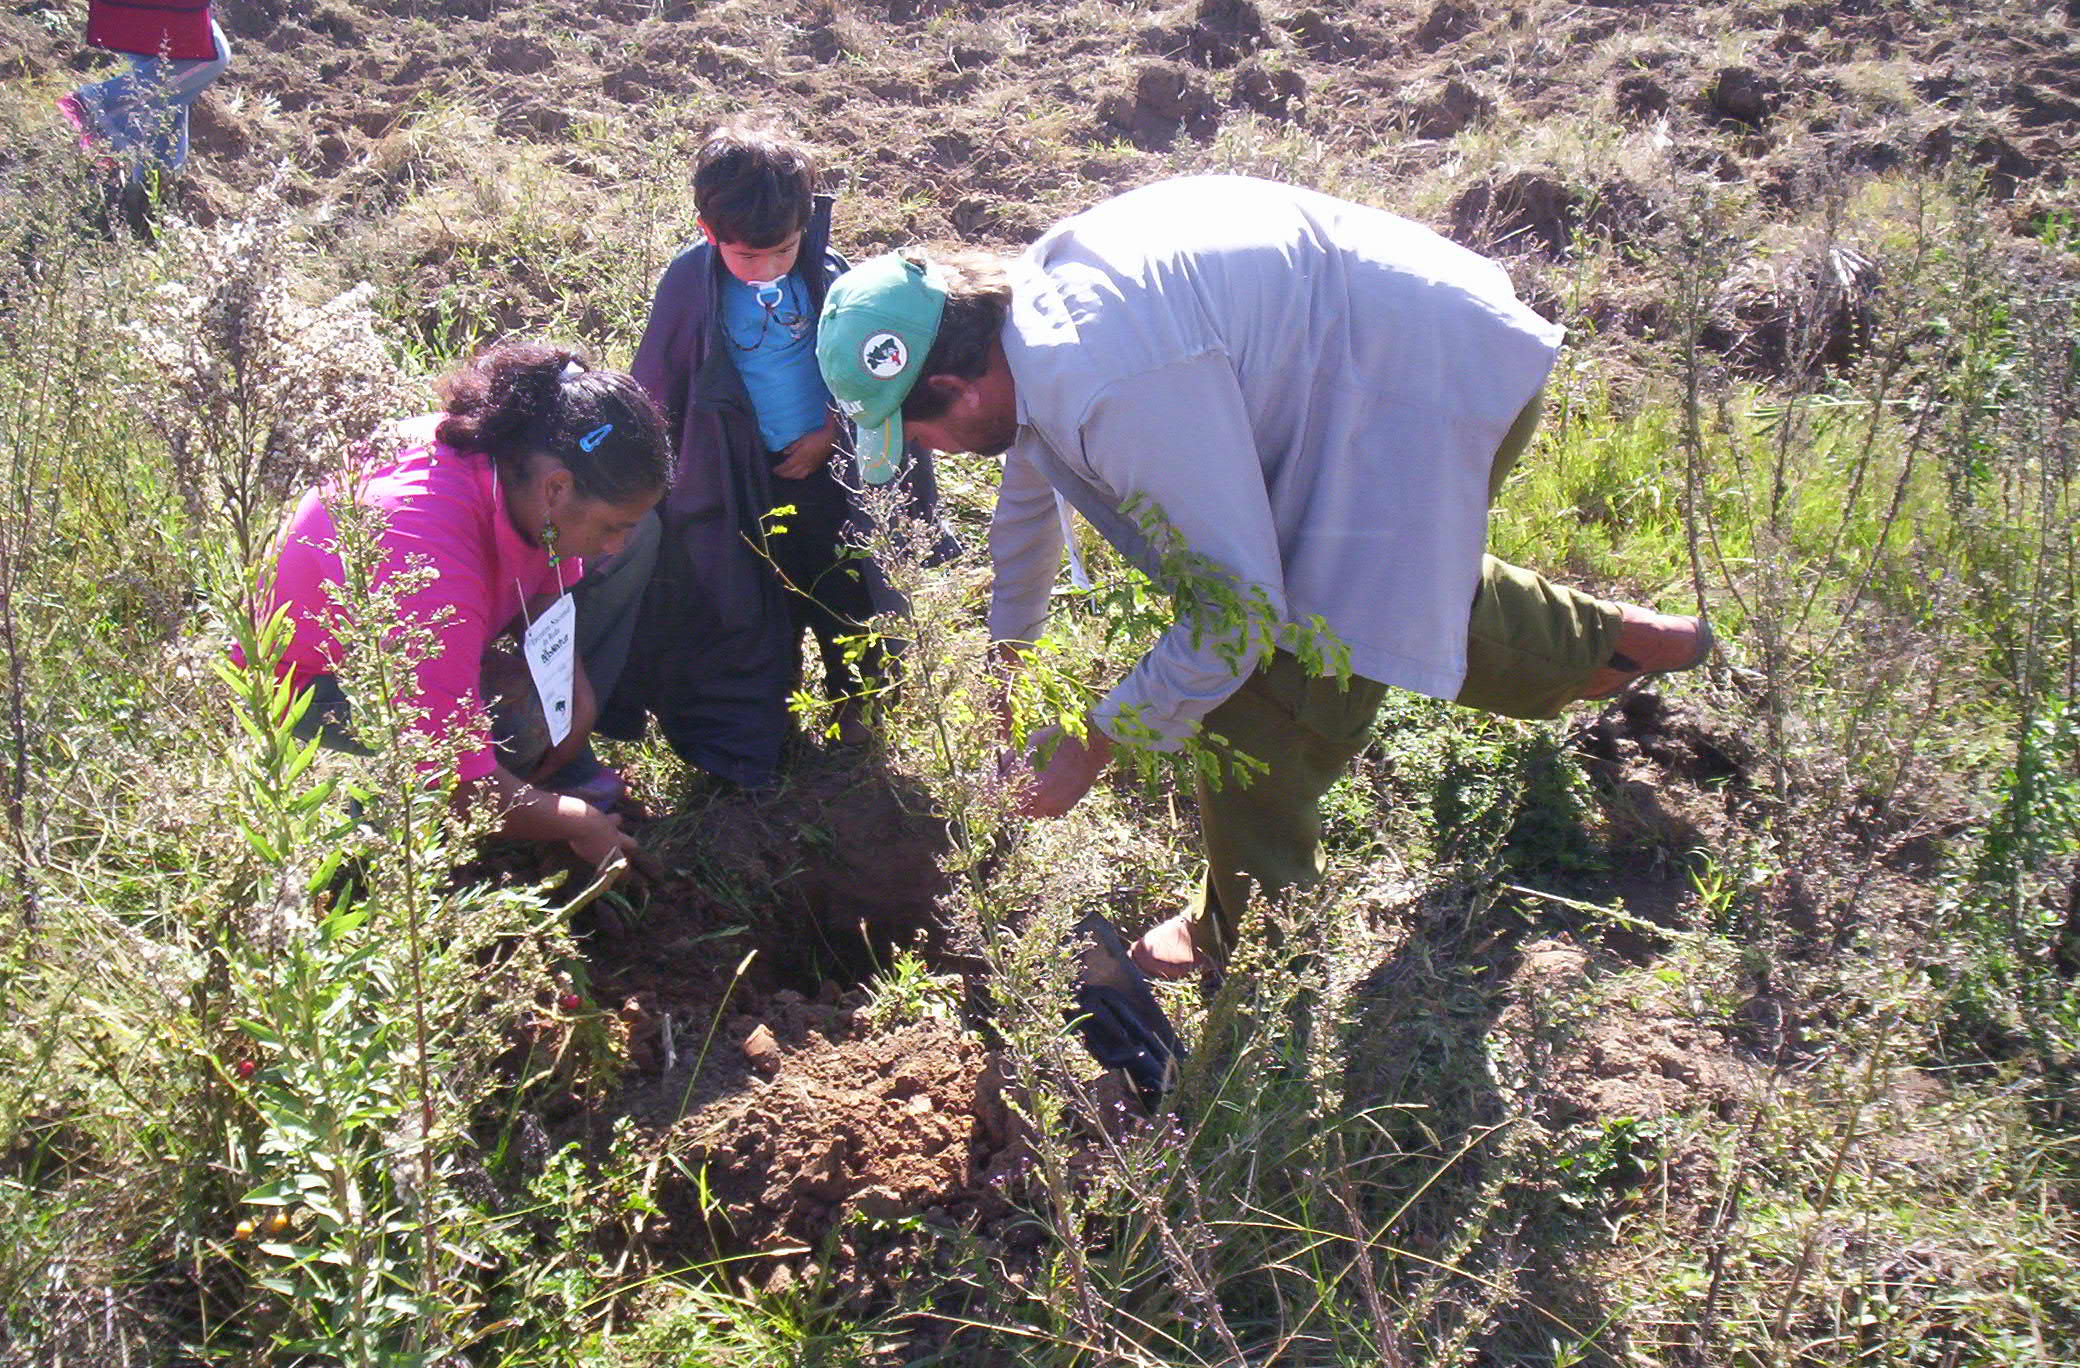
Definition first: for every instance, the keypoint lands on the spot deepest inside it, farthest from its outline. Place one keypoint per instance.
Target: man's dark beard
(999, 439)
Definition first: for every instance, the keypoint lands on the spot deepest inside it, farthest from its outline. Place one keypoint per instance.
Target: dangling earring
(549, 541)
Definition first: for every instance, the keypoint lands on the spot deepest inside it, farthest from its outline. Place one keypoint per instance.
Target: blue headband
(591, 440)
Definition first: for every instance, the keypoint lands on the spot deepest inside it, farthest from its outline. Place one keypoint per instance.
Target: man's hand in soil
(1068, 772)
(808, 453)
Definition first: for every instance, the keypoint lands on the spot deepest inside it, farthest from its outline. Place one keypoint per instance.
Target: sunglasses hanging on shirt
(771, 296)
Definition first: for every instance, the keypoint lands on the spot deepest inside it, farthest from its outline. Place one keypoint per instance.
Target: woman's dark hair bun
(519, 399)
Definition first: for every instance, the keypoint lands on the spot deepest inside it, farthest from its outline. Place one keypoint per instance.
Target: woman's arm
(533, 814)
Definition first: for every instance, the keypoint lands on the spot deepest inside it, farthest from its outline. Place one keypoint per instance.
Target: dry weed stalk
(253, 389)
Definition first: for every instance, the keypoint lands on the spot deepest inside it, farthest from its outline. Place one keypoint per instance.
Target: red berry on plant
(570, 1002)
(244, 1068)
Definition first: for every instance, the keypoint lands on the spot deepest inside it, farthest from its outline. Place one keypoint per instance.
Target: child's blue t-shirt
(772, 335)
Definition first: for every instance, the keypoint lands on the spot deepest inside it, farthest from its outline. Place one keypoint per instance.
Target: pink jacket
(446, 507)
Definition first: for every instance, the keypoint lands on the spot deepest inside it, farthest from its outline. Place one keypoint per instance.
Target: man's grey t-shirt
(1310, 391)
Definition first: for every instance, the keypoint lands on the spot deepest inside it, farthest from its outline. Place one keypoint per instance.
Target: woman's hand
(536, 814)
(600, 837)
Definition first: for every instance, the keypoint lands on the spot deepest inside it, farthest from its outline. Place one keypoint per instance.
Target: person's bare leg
(1650, 643)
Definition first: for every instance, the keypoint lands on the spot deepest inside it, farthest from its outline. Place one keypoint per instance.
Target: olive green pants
(1531, 646)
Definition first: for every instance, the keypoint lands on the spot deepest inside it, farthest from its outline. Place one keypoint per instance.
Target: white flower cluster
(259, 391)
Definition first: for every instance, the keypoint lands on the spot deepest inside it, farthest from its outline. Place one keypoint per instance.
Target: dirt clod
(1276, 92)
(1638, 95)
(520, 54)
(1167, 99)
(1323, 37)
(762, 1050)
(1447, 20)
(1530, 210)
(1224, 32)
(883, 1126)
(1441, 111)
(1743, 95)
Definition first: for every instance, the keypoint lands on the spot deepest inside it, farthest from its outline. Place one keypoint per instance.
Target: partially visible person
(729, 353)
(541, 476)
(1321, 399)
(140, 117)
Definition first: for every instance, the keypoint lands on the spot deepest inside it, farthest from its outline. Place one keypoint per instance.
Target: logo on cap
(884, 356)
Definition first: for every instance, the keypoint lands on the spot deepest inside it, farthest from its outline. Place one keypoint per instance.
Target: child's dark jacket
(716, 653)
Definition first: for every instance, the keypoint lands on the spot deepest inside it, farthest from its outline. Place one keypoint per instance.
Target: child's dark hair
(519, 398)
(753, 184)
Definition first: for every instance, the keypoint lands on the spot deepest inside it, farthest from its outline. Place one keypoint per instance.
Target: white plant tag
(551, 649)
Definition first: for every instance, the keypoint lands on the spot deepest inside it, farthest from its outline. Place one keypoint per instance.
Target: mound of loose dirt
(1648, 1063)
(825, 877)
(1673, 778)
(807, 1128)
(778, 1107)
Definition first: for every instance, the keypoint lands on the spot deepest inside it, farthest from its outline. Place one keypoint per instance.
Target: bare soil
(983, 122)
(787, 1105)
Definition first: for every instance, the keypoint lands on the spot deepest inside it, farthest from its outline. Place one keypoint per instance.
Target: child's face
(753, 264)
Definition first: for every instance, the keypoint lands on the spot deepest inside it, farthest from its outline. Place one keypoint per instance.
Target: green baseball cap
(879, 319)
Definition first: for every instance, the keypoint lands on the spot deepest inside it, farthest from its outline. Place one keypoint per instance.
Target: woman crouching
(537, 481)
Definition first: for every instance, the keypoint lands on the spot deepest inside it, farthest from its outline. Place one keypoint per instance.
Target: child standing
(175, 49)
(729, 352)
